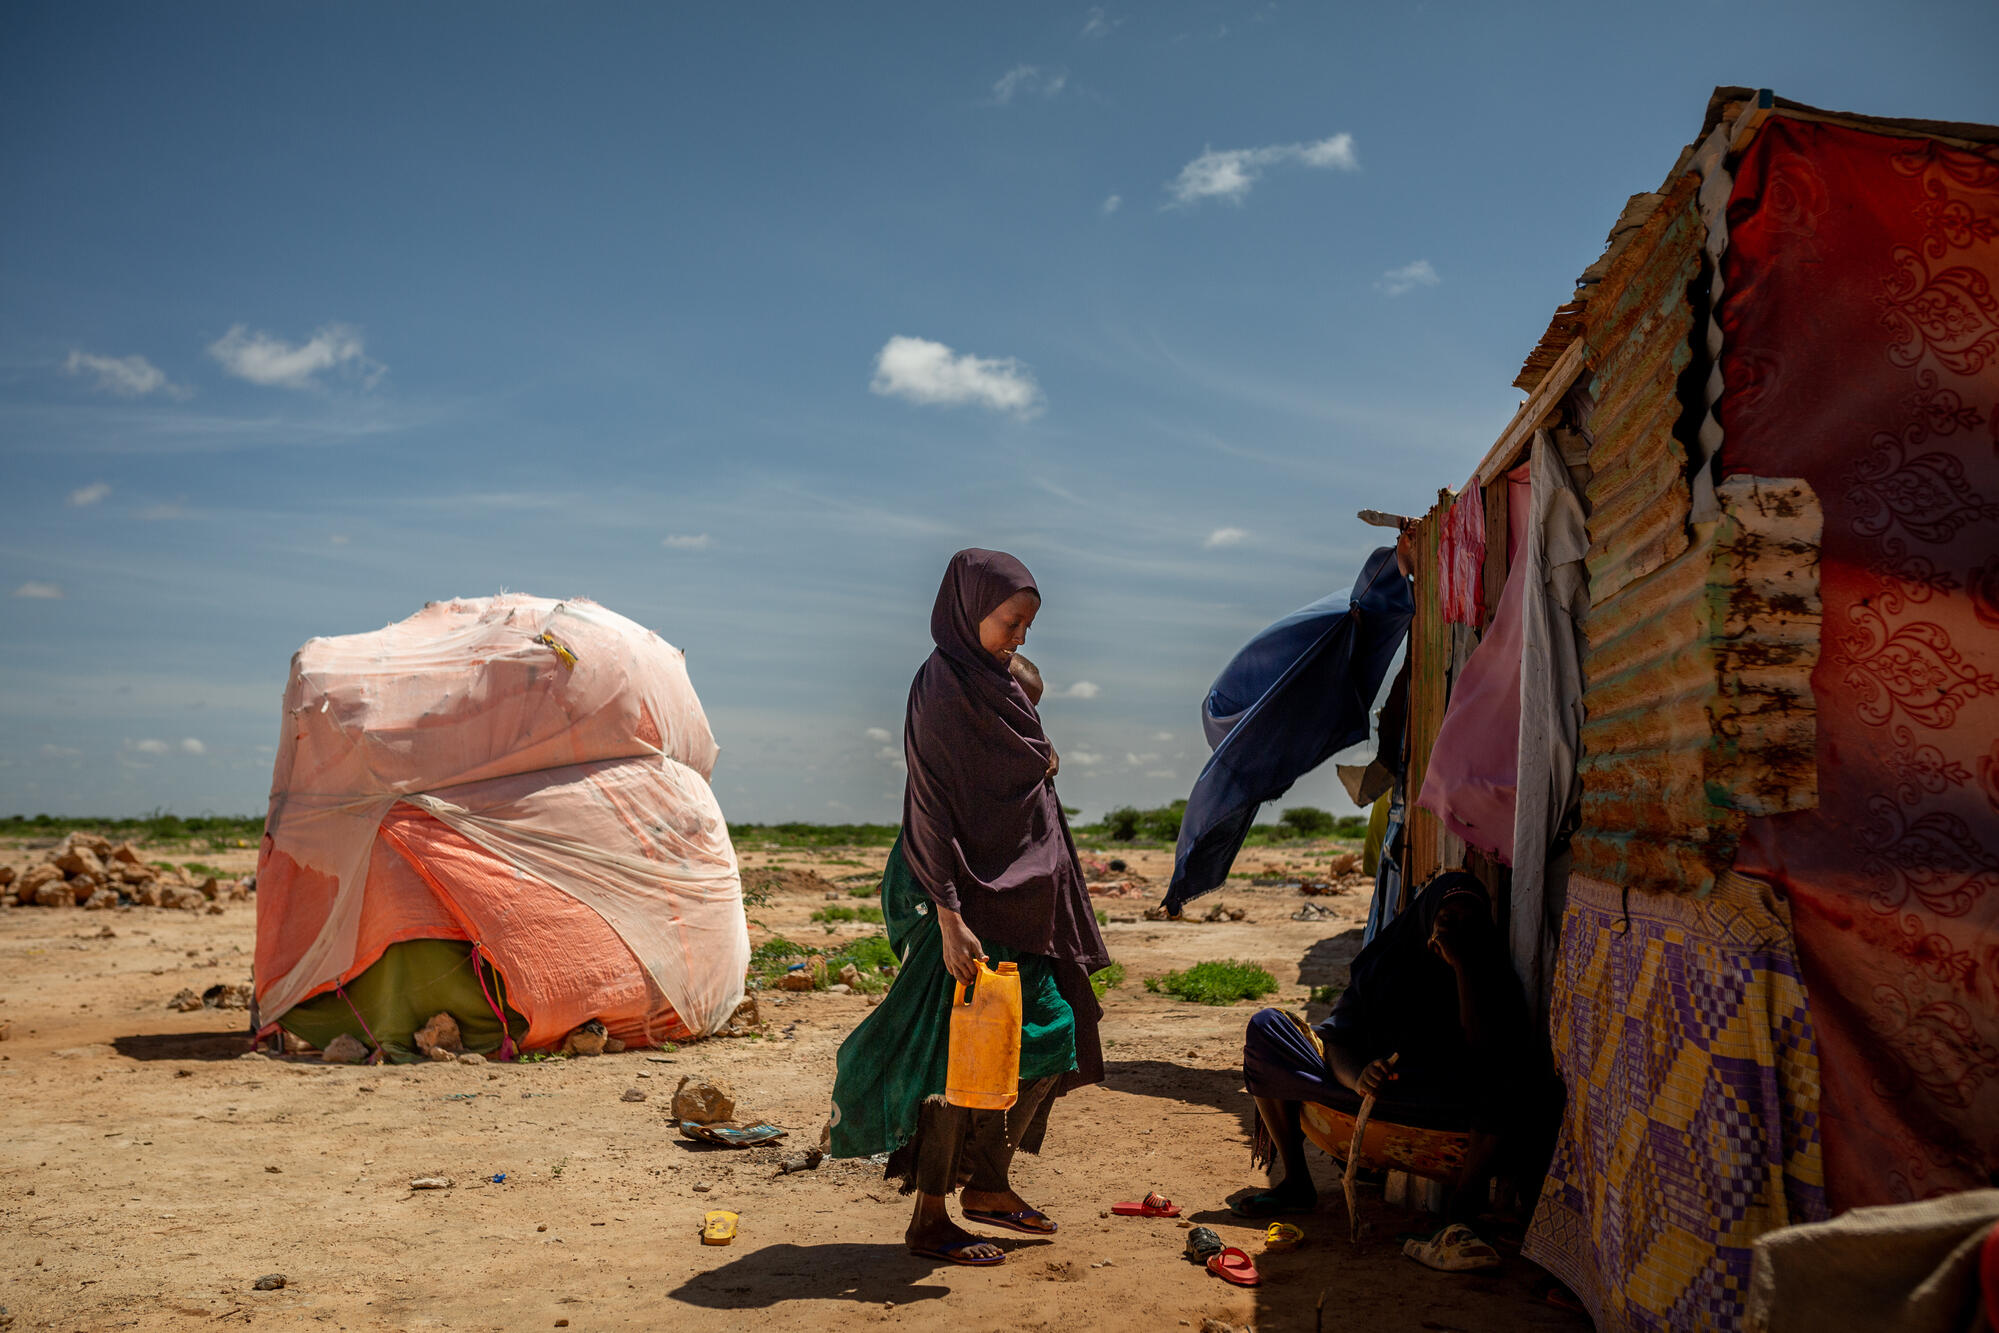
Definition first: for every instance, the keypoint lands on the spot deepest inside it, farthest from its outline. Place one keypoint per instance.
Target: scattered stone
(79, 861)
(275, 1170)
(297, 1045)
(702, 1187)
(431, 1183)
(850, 977)
(126, 854)
(1210, 1324)
(840, 988)
(588, 1039)
(187, 1002)
(100, 899)
(613, 1046)
(344, 1049)
(701, 1101)
(6, 876)
(440, 1056)
(799, 980)
(801, 1161)
(440, 1034)
(471, 1058)
(226, 995)
(269, 1282)
(632, 1095)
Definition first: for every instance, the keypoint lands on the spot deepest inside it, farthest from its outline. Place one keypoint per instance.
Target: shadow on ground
(183, 1045)
(865, 1274)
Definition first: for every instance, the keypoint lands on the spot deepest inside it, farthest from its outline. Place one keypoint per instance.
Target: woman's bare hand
(1054, 764)
(1377, 1074)
(962, 951)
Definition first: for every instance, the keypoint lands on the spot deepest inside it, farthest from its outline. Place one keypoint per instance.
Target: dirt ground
(152, 1169)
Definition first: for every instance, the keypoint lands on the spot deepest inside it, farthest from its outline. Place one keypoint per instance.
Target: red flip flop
(1154, 1204)
(1233, 1265)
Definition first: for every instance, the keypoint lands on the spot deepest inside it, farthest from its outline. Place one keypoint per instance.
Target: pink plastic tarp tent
(523, 775)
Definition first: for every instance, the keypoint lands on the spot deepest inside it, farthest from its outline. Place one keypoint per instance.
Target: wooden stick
(1353, 1160)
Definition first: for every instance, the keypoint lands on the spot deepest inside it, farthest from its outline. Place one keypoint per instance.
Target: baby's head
(1029, 677)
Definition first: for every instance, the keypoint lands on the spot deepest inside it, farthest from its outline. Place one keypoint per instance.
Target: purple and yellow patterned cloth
(1692, 1127)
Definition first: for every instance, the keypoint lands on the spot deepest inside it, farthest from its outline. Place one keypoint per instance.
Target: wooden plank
(1533, 414)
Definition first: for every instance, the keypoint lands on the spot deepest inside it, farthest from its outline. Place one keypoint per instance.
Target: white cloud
(1160, 773)
(1221, 537)
(1162, 735)
(84, 496)
(1028, 80)
(190, 745)
(1407, 278)
(126, 376)
(687, 541)
(1140, 760)
(60, 752)
(1230, 174)
(1082, 689)
(1082, 759)
(879, 735)
(929, 372)
(339, 539)
(892, 755)
(270, 361)
(1112, 204)
(1098, 24)
(150, 746)
(46, 592)
(164, 511)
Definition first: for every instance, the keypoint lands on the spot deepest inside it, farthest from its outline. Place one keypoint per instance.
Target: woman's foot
(944, 1239)
(1302, 1197)
(1004, 1208)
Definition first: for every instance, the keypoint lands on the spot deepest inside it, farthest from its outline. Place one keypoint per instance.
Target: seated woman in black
(1436, 991)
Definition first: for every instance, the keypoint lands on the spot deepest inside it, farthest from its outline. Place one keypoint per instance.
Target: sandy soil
(152, 1170)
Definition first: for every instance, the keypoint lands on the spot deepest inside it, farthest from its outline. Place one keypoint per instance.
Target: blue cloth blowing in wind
(1297, 693)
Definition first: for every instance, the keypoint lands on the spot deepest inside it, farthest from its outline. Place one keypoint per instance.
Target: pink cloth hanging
(1473, 777)
(1461, 552)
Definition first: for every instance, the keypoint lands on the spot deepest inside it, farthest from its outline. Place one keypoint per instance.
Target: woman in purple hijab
(984, 868)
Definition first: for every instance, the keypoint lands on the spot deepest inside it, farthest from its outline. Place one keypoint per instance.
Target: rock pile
(86, 870)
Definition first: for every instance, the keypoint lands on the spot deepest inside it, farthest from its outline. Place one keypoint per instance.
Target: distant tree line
(1128, 823)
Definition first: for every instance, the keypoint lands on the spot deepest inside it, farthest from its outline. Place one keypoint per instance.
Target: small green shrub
(1103, 917)
(1107, 978)
(1324, 994)
(1121, 824)
(1223, 982)
(1307, 821)
(871, 915)
(1350, 826)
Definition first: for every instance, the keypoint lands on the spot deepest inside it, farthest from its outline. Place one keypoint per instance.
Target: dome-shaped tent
(526, 781)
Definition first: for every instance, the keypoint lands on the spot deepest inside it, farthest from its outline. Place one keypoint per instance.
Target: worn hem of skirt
(901, 1168)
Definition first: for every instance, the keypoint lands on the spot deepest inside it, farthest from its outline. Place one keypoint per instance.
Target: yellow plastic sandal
(1281, 1236)
(718, 1227)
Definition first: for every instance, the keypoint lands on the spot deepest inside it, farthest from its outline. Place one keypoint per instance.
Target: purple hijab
(982, 828)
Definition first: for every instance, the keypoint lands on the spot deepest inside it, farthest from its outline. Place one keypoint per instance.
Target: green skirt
(900, 1053)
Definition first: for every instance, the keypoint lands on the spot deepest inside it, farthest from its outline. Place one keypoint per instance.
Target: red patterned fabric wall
(1861, 326)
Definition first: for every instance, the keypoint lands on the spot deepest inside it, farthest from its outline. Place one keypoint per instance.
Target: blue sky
(740, 319)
